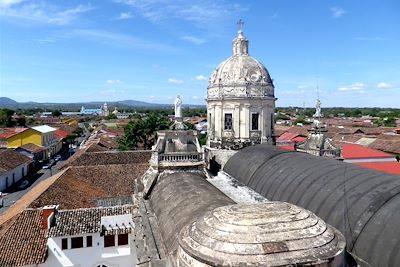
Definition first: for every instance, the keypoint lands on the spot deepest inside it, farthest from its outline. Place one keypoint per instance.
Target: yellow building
(43, 136)
(70, 121)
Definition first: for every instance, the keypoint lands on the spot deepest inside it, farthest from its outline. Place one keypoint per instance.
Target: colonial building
(240, 100)
(13, 167)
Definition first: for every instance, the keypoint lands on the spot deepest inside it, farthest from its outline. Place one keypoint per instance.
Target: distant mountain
(6, 102)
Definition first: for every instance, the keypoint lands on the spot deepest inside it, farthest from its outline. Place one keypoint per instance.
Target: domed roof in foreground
(241, 74)
(267, 234)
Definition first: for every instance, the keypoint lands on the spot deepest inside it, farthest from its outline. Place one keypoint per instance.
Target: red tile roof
(290, 137)
(61, 133)
(24, 242)
(392, 167)
(354, 151)
(8, 132)
(286, 147)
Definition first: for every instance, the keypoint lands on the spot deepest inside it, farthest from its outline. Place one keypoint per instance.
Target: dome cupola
(240, 75)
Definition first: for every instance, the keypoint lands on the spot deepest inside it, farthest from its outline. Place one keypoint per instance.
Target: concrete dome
(267, 234)
(240, 75)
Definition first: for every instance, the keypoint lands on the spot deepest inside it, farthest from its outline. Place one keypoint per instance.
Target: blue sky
(152, 50)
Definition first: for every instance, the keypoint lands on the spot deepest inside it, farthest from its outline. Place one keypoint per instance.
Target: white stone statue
(318, 109)
(178, 107)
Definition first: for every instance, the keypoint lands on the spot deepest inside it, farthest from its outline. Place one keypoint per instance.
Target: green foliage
(111, 116)
(190, 126)
(202, 139)
(281, 116)
(56, 113)
(142, 131)
(6, 117)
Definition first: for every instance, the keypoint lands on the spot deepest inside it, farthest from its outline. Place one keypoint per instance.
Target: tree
(56, 113)
(112, 116)
(6, 117)
(142, 131)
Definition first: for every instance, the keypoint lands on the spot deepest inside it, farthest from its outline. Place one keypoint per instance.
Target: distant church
(240, 100)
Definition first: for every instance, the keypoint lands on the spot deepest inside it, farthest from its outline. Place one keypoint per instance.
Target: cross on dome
(240, 24)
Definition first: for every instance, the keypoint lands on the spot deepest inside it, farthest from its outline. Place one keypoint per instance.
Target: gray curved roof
(180, 198)
(363, 204)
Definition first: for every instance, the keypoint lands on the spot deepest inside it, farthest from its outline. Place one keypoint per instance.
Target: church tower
(240, 100)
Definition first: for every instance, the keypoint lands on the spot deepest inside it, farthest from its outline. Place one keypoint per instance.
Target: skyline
(153, 50)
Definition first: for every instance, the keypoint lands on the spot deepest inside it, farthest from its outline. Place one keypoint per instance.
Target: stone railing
(179, 157)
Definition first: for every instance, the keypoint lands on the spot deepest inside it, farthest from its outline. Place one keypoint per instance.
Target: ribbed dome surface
(267, 234)
(240, 75)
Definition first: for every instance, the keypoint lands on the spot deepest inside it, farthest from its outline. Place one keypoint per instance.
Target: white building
(240, 100)
(13, 167)
(90, 237)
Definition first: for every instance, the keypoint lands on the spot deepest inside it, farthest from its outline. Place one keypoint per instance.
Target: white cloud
(205, 14)
(195, 97)
(200, 78)
(175, 81)
(44, 13)
(194, 40)
(118, 39)
(114, 81)
(384, 85)
(125, 15)
(337, 12)
(8, 3)
(355, 87)
(152, 96)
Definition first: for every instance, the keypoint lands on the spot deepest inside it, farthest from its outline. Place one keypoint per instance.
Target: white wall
(118, 256)
(18, 175)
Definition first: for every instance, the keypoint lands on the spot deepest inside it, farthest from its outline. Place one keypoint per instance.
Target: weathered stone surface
(363, 204)
(178, 199)
(268, 234)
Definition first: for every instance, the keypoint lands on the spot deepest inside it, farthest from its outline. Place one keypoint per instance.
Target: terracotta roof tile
(24, 242)
(80, 187)
(84, 221)
(9, 159)
(32, 148)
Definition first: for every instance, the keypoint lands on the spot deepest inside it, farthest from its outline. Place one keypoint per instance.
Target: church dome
(240, 75)
(265, 234)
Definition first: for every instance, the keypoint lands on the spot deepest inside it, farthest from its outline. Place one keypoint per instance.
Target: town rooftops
(44, 129)
(8, 132)
(85, 221)
(24, 242)
(9, 160)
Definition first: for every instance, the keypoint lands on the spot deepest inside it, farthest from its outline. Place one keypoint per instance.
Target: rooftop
(8, 132)
(82, 186)
(32, 148)
(354, 151)
(44, 129)
(24, 242)
(9, 160)
(84, 221)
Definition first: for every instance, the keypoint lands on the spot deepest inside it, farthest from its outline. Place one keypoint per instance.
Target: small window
(228, 121)
(109, 241)
(64, 243)
(123, 239)
(89, 241)
(77, 242)
(254, 121)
